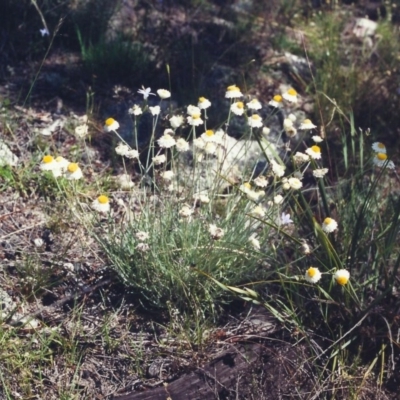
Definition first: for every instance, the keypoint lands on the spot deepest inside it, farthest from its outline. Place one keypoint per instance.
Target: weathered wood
(222, 375)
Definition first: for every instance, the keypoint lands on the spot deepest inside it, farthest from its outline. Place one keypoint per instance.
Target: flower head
(48, 163)
(142, 236)
(233, 92)
(73, 172)
(111, 125)
(295, 183)
(157, 160)
(314, 152)
(381, 160)
(320, 173)
(237, 108)
(379, 147)
(277, 169)
(182, 145)
(258, 212)
(278, 199)
(203, 103)
(186, 211)
(176, 121)
(317, 139)
(194, 120)
(261, 181)
(290, 96)
(255, 121)
(276, 101)
(300, 158)
(155, 110)
(329, 225)
(285, 219)
(341, 276)
(253, 240)
(193, 110)
(124, 181)
(313, 275)
(135, 110)
(167, 175)
(215, 232)
(307, 124)
(122, 149)
(163, 93)
(254, 105)
(166, 141)
(145, 92)
(101, 204)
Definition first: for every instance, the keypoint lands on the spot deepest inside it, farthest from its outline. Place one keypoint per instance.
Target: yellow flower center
(209, 132)
(316, 149)
(328, 221)
(59, 158)
(381, 156)
(292, 92)
(47, 159)
(255, 117)
(342, 280)
(307, 122)
(381, 145)
(73, 167)
(239, 104)
(196, 116)
(103, 199)
(233, 88)
(202, 99)
(311, 272)
(110, 121)
(278, 98)
(247, 185)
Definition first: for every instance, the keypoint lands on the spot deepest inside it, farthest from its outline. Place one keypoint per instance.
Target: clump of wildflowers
(111, 125)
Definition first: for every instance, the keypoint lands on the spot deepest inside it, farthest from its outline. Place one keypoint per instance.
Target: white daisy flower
(237, 108)
(160, 159)
(163, 93)
(48, 163)
(276, 101)
(73, 172)
(208, 136)
(257, 212)
(254, 105)
(255, 121)
(329, 225)
(166, 141)
(195, 120)
(379, 147)
(313, 275)
(320, 173)
(203, 103)
(182, 145)
(290, 96)
(233, 92)
(341, 276)
(101, 204)
(381, 159)
(111, 125)
(176, 121)
(155, 110)
(307, 125)
(193, 110)
(215, 232)
(314, 152)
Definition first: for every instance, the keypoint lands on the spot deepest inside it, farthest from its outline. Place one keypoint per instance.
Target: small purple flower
(44, 32)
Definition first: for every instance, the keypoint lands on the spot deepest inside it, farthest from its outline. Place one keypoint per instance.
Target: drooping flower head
(111, 125)
(379, 147)
(290, 96)
(306, 125)
(255, 121)
(203, 103)
(381, 160)
(254, 105)
(341, 276)
(163, 93)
